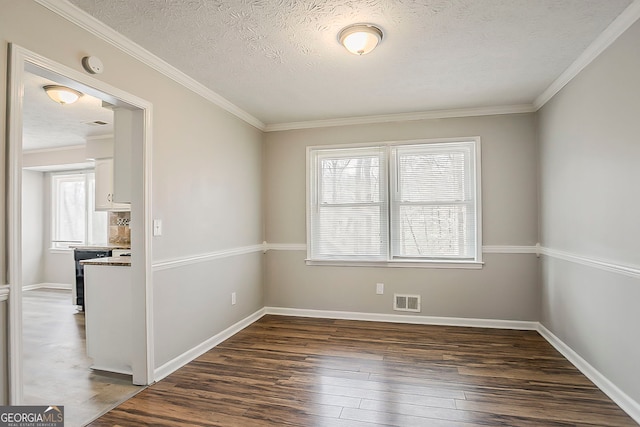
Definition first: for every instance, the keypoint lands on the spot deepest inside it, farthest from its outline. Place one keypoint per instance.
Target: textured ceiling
(280, 60)
(47, 124)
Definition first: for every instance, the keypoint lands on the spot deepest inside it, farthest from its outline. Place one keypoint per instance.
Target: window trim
(475, 263)
(56, 246)
(381, 205)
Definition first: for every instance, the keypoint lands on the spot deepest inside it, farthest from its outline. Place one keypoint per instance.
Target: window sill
(59, 251)
(466, 265)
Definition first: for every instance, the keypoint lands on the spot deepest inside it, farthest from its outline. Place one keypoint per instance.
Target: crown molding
(619, 25)
(402, 117)
(87, 22)
(80, 18)
(56, 149)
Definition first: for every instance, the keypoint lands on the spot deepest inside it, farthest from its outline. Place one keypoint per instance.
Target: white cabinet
(128, 133)
(104, 188)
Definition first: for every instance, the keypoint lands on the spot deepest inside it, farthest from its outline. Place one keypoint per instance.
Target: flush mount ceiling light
(360, 39)
(62, 94)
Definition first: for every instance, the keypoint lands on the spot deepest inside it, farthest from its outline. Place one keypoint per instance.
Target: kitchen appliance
(80, 255)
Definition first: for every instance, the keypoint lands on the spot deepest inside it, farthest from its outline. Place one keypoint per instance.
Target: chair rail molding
(602, 264)
(487, 249)
(205, 257)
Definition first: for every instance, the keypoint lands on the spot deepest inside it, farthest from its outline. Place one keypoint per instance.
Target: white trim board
(405, 318)
(61, 286)
(404, 117)
(285, 246)
(195, 259)
(506, 249)
(189, 355)
(606, 265)
(264, 247)
(489, 249)
(626, 403)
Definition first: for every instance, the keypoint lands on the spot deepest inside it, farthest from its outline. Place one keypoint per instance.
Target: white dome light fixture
(62, 94)
(360, 39)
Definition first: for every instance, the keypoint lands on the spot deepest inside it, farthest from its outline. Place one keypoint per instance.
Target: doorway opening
(28, 72)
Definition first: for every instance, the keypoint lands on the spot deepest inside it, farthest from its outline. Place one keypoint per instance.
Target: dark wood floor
(286, 371)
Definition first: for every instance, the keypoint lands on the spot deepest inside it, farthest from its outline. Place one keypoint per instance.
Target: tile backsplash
(119, 231)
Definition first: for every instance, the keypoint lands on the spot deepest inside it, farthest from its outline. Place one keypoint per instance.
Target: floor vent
(406, 302)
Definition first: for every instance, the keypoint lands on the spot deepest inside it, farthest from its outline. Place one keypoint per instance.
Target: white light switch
(379, 288)
(157, 227)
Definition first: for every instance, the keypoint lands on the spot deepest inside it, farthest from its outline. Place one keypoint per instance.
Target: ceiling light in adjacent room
(62, 94)
(360, 39)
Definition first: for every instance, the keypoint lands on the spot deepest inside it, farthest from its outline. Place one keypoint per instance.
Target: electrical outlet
(379, 288)
(233, 298)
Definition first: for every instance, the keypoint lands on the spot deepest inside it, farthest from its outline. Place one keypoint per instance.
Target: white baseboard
(63, 286)
(189, 355)
(626, 403)
(404, 318)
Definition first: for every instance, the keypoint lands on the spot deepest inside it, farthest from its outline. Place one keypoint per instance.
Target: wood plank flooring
(288, 371)
(56, 367)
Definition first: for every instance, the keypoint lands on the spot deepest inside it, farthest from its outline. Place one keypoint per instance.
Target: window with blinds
(74, 220)
(411, 202)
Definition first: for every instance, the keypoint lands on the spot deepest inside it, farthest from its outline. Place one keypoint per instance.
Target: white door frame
(22, 60)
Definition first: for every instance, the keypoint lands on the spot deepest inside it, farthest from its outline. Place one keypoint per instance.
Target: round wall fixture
(360, 39)
(92, 64)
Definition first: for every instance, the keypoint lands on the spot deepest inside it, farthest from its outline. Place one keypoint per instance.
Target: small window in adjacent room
(410, 203)
(74, 220)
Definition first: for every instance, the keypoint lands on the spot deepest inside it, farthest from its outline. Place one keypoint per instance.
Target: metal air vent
(403, 302)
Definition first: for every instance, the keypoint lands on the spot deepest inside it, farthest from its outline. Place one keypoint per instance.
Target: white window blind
(433, 211)
(395, 202)
(74, 219)
(348, 204)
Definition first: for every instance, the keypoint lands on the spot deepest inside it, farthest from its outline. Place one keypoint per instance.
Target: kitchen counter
(105, 247)
(122, 261)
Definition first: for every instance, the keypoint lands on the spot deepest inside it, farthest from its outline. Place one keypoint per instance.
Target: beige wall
(33, 219)
(506, 288)
(215, 179)
(590, 153)
(206, 178)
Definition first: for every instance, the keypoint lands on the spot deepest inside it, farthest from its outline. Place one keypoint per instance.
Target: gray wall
(206, 169)
(506, 288)
(589, 156)
(33, 239)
